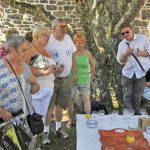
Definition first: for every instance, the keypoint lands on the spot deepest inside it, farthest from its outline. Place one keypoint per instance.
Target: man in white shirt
(61, 47)
(133, 77)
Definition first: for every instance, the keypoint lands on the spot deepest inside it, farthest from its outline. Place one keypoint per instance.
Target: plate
(92, 123)
(120, 130)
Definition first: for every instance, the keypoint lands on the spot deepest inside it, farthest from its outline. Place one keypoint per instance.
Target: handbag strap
(136, 59)
(19, 85)
(138, 62)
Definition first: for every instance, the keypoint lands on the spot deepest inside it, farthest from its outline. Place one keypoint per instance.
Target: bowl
(92, 123)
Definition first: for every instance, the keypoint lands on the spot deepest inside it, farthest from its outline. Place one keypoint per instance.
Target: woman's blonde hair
(39, 31)
(78, 37)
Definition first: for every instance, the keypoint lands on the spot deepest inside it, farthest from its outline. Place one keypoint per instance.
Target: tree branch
(35, 10)
(133, 9)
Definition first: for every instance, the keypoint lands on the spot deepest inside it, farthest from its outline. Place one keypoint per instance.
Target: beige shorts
(84, 90)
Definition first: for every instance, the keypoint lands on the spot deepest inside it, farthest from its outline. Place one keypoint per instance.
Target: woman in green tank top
(82, 73)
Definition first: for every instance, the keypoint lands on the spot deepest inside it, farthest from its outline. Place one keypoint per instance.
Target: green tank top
(82, 68)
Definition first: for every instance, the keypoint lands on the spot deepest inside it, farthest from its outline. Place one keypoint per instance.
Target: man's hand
(124, 58)
(129, 51)
(142, 53)
(32, 79)
(61, 69)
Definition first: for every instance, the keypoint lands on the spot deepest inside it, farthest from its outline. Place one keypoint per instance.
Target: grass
(62, 144)
(70, 143)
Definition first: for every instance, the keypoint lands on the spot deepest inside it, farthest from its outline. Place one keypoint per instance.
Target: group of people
(50, 68)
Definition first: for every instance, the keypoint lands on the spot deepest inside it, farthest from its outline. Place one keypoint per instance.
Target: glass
(114, 114)
(57, 58)
(143, 111)
(94, 114)
(130, 139)
(131, 112)
(101, 113)
(127, 113)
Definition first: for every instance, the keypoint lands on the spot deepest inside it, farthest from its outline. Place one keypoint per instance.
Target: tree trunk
(100, 21)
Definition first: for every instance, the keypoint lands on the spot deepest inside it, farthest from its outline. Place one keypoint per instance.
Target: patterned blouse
(11, 97)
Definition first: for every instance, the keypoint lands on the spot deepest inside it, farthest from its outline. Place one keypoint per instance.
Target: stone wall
(142, 21)
(11, 17)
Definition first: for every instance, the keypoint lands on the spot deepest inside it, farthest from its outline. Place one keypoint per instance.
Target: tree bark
(101, 20)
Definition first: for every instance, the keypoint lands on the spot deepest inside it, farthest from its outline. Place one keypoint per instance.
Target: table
(88, 138)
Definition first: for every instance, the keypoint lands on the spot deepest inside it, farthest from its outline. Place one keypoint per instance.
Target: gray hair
(14, 41)
(56, 21)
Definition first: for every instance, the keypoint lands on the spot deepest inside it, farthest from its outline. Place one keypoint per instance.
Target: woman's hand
(91, 78)
(74, 79)
(6, 115)
(32, 79)
(34, 84)
(51, 69)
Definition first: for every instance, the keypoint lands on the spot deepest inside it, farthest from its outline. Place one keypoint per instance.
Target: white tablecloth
(88, 138)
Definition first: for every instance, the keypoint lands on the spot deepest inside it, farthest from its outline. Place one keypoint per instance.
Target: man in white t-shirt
(61, 47)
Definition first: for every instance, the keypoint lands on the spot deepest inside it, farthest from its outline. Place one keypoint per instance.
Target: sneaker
(46, 139)
(69, 125)
(62, 134)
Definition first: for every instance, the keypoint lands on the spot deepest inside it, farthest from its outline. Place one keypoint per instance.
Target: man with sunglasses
(133, 77)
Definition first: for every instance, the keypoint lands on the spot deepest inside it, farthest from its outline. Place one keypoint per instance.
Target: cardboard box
(143, 123)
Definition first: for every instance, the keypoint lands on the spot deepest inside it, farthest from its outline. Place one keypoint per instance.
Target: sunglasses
(62, 27)
(123, 33)
(33, 58)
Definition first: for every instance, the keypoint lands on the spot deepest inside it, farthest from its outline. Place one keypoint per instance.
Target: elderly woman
(11, 96)
(43, 66)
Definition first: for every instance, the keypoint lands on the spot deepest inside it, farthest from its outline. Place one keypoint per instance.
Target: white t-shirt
(62, 52)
